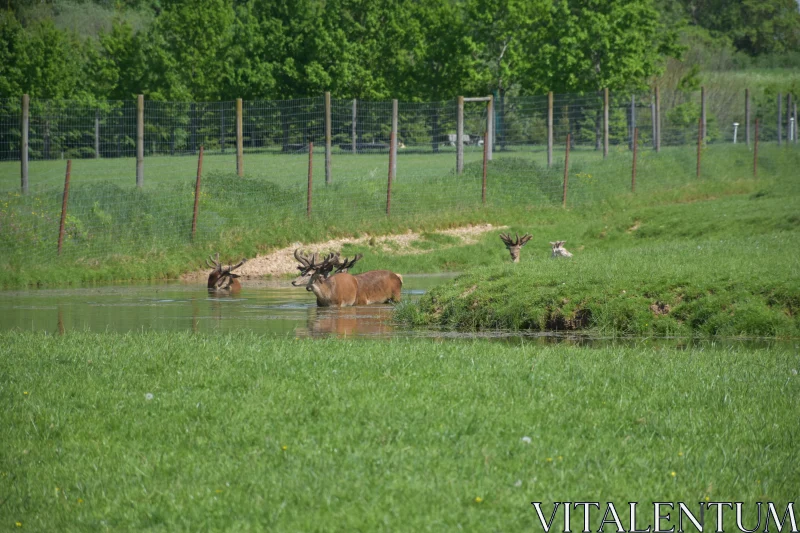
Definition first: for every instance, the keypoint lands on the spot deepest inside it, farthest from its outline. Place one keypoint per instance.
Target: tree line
(210, 50)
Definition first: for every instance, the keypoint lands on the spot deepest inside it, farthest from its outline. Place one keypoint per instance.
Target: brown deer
(559, 250)
(341, 288)
(223, 279)
(514, 245)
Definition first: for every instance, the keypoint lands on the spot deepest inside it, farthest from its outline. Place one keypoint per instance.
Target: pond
(272, 307)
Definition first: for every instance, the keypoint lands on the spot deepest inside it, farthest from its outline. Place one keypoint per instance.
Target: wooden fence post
(393, 148)
(328, 176)
(755, 152)
(747, 116)
(23, 147)
(389, 186)
(699, 142)
(460, 135)
(97, 134)
(703, 111)
(64, 206)
(490, 127)
(310, 178)
(140, 141)
(197, 190)
(653, 120)
(658, 119)
(239, 139)
(633, 171)
(549, 129)
(566, 174)
(633, 118)
(485, 164)
(605, 123)
(354, 134)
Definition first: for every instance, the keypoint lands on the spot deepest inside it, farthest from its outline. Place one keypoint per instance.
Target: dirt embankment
(281, 262)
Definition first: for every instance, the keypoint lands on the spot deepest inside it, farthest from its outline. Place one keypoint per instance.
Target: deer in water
(559, 250)
(223, 279)
(514, 245)
(341, 288)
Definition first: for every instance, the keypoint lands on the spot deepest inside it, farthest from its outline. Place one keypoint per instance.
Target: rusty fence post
(389, 186)
(197, 190)
(140, 141)
(64, 206)
(699, 143)
(485, 163)
(239, 139)
(633, 171)
(755, 151)
(566, 174)
(310, 177)
(23, 147)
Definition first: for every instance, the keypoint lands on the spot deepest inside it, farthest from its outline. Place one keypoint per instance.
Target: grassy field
(116, 232)
(174, 431)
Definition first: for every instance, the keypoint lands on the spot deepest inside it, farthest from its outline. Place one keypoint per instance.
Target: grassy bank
(115, 231)
(174, 431)
(707, 266)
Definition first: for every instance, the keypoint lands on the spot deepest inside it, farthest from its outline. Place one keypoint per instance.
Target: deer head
(514, 245)
(222, 278)
(559, 250)
(336, 290)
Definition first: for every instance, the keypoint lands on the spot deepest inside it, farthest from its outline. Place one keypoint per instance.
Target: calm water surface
(274, 307)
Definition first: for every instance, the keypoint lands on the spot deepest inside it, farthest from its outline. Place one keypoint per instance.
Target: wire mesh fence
(109, 215)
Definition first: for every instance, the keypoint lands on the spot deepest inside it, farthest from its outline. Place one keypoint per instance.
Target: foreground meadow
(176, 432)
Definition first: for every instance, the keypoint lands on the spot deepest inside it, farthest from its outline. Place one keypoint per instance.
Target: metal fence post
(354, 134)
(140, 141)
(396, 141)
(780, 122)
(64, 206)
(97, 134)
(633, 171)
(460, 135)
(490, 119)
(23, 147)
(549, 129)
(239, 139)
(658, 119)
(566, 174)
(485, 164)
(747, 116)
(699, 143)
(328, 176)
(310, 178)
(633, 118)
(703, 111)
(755, 152)
(389, 186)
(605, 122)
(197, 191)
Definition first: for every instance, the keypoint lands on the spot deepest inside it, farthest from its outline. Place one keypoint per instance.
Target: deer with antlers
(514, 245)
(559, 250)
(222, 279)
(342, 288)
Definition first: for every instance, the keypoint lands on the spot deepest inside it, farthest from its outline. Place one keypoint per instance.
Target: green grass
(253, 433)
(703, 266)
(115, 231)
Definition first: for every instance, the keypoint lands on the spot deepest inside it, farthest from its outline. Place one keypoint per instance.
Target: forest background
(207, 50)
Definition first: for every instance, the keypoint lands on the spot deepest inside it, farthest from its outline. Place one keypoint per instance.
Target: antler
(344, 266)
(214, 263)
(517, 241)
(232, 268)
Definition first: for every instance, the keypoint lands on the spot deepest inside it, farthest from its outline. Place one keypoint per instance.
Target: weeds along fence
(135, 163)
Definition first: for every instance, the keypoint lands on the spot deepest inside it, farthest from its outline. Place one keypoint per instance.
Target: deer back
(378, 286)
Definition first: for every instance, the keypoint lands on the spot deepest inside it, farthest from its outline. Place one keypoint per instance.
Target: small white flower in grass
(794, 371)
(526, 440)
(518, 483)
(148, 396)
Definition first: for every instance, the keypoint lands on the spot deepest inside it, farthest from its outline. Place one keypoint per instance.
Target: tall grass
(178, 432)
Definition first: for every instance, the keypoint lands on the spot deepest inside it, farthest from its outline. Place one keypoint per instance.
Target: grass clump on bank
(177, 431)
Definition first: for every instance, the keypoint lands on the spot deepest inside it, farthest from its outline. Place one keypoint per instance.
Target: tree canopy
(407, 49)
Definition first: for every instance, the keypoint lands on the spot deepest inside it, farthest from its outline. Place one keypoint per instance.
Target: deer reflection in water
(350, 321)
